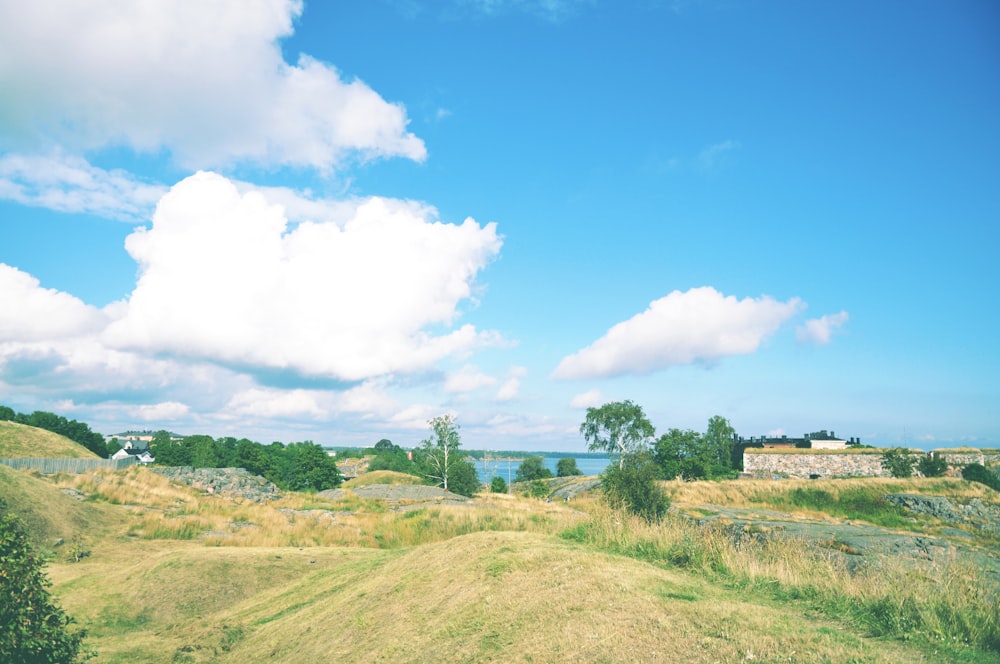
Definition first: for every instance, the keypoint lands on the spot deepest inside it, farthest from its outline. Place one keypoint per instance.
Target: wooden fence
(49, 466)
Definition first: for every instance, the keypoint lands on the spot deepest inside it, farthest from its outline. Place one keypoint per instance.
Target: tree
(32, 627)
(498, 485)
(440, 452)
(899, 462)
(385, 445)
(683, 454)
(310, 468)
(532, 468)
(7, 413)
(719, 439)
(632, 486)
(618, 427)
(566, 467)
(463, 479)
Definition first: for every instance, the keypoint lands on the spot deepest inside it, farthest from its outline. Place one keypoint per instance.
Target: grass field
(173, 574)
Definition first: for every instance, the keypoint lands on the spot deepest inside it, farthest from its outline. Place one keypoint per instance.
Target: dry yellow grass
(179, 575)
(18, 441)
(382, 477)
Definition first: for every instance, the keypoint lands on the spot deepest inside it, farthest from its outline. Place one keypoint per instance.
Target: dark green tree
(566, 467)
(464, 480)
(633, 486)
(683, 454)
(7, 414)
(203, 451)
(498, 485)
(899, 462)
(532, 468)
(311, 468)
(618, 428)
(33, 629)
(719, 439)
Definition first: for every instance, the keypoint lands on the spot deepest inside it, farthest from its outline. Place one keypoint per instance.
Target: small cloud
(70, 184)
(714, 155)
(819, 330)
(589, 399)
(441, 114)
(698, 325)
(468, 379)
(168, 410)
(512, 386)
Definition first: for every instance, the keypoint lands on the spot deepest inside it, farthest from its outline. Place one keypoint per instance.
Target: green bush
(498, 485)
(633, 486)
(32, 627)
(976, 472)
(899, 462)
(932, 465)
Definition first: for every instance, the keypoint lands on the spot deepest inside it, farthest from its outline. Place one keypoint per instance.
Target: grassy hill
(18, 441)
(177, 574)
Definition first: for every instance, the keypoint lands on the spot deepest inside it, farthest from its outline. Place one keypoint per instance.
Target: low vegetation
(177, 574)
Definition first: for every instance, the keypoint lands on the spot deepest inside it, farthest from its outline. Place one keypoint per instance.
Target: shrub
(32, 627)
(976, 472)
(498, 485)
(633, 486)
(932, 465)
(898, 462)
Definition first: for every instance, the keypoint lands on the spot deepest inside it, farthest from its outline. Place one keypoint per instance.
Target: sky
(334, 221)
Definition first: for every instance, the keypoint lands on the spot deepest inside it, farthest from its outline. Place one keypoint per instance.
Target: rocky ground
(234, 482)
(968, 531)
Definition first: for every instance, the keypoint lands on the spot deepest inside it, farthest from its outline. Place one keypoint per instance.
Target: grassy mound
(382, 477)
(51, 514)
(18, 441)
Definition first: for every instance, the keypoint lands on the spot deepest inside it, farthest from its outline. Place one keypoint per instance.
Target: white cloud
(511, 387)
(165, 411)
(259, 402)
(29, 312)
(222, 279)
(204, 80)
(468, 379)
(699, 325)
(589, 399)
(70, 184)
(819, 330)
(713, 155)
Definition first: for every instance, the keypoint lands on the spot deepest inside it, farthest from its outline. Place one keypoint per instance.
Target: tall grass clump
(950, 605)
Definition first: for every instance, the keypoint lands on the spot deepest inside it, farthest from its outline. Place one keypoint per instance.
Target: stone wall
(964, 458)
(820, 464)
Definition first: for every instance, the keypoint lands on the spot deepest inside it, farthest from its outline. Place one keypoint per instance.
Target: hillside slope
(482, 597)
(18, 441)
(51, 514)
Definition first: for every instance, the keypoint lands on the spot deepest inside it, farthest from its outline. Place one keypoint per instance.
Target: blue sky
(334, 221)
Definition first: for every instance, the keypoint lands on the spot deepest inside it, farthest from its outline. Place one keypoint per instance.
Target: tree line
(302, 466)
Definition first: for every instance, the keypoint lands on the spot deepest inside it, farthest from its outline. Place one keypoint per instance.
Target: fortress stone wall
(814, 464)
(806, 464)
